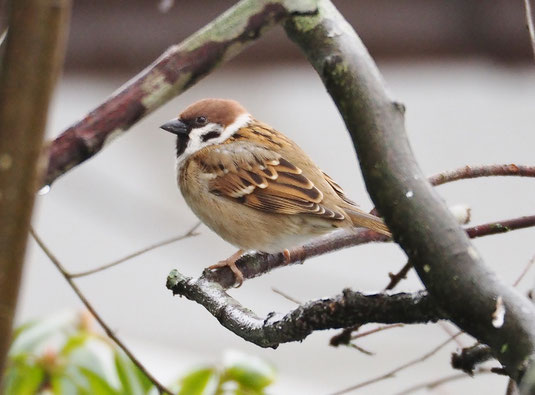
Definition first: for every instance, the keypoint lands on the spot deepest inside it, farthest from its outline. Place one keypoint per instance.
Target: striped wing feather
(260, 178)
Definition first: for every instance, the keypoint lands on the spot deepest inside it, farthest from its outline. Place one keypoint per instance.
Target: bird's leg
(231, 263)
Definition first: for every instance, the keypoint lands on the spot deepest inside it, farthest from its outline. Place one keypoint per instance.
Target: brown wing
(338, 189)
(260, 178)
(359, 217)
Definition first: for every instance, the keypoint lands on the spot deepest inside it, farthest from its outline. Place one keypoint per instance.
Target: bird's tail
(365, 220)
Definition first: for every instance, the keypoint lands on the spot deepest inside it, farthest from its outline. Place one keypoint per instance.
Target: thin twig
(529, 23)
(361, 349)
(89, 307)
(525, 271)
(392, 372)
(286, 296)
(396, 278)
(468, 172)
(189, 233)
(453, 333)
(345, 336)
(375, 330)
(429, 385)
(497, 227)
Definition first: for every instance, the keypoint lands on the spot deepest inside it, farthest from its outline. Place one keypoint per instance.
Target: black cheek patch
(181, 144)
(210, 135)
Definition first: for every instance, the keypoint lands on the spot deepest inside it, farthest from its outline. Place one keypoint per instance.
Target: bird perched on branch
(254, 186)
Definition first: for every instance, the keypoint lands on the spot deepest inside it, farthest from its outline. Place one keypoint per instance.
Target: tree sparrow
(254, 186)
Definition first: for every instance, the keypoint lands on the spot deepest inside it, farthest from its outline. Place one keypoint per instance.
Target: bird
(253, 186)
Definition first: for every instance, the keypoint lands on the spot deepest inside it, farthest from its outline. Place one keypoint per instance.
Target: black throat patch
(181, 144)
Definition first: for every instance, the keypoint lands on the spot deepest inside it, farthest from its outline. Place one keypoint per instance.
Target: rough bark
(348, 309)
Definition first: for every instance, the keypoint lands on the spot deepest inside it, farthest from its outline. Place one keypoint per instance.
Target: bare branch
(468, 172)
(179, 68)
(30, 63)
(100, 320)
(493, 228)
(375, 330)
(348, 309)
(525, 271)
(397, 277)
(257, 264)
(188, 234)
(286, 296)
(430, 385)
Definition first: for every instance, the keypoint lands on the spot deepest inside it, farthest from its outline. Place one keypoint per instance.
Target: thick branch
(30, 65)
(449, 266)
(257, 264)
(348, 309)
(180, 67)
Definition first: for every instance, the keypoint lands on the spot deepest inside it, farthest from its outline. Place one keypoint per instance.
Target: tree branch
(491, 228)
(348, 309)
(394, 371)
(188, 234)
(449, 266)
(179, 68)
(468, 172)
(431, 385)
(30, 64)
(257, 264)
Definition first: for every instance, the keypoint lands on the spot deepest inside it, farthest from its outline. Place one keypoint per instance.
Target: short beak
(175, 126)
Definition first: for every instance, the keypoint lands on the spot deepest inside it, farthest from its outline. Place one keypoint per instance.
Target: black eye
(200, 120)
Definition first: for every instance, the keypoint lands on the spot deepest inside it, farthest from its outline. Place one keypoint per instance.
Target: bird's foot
(287, 256)
(230, 262)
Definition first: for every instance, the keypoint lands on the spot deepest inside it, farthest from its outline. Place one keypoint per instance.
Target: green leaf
(73, 342)
(251, 373)
(62, 384)
(196, 382)
(23, 379)
(97, 384)
(128, 377)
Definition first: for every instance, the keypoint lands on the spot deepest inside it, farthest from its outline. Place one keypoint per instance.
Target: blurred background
(464, 70)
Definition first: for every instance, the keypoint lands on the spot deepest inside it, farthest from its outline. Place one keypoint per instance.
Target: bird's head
(204, 123)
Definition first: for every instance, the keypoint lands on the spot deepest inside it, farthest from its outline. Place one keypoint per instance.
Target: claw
(230, 262)
(287, 255)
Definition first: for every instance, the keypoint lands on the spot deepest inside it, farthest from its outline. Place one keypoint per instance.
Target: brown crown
(221, 111)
